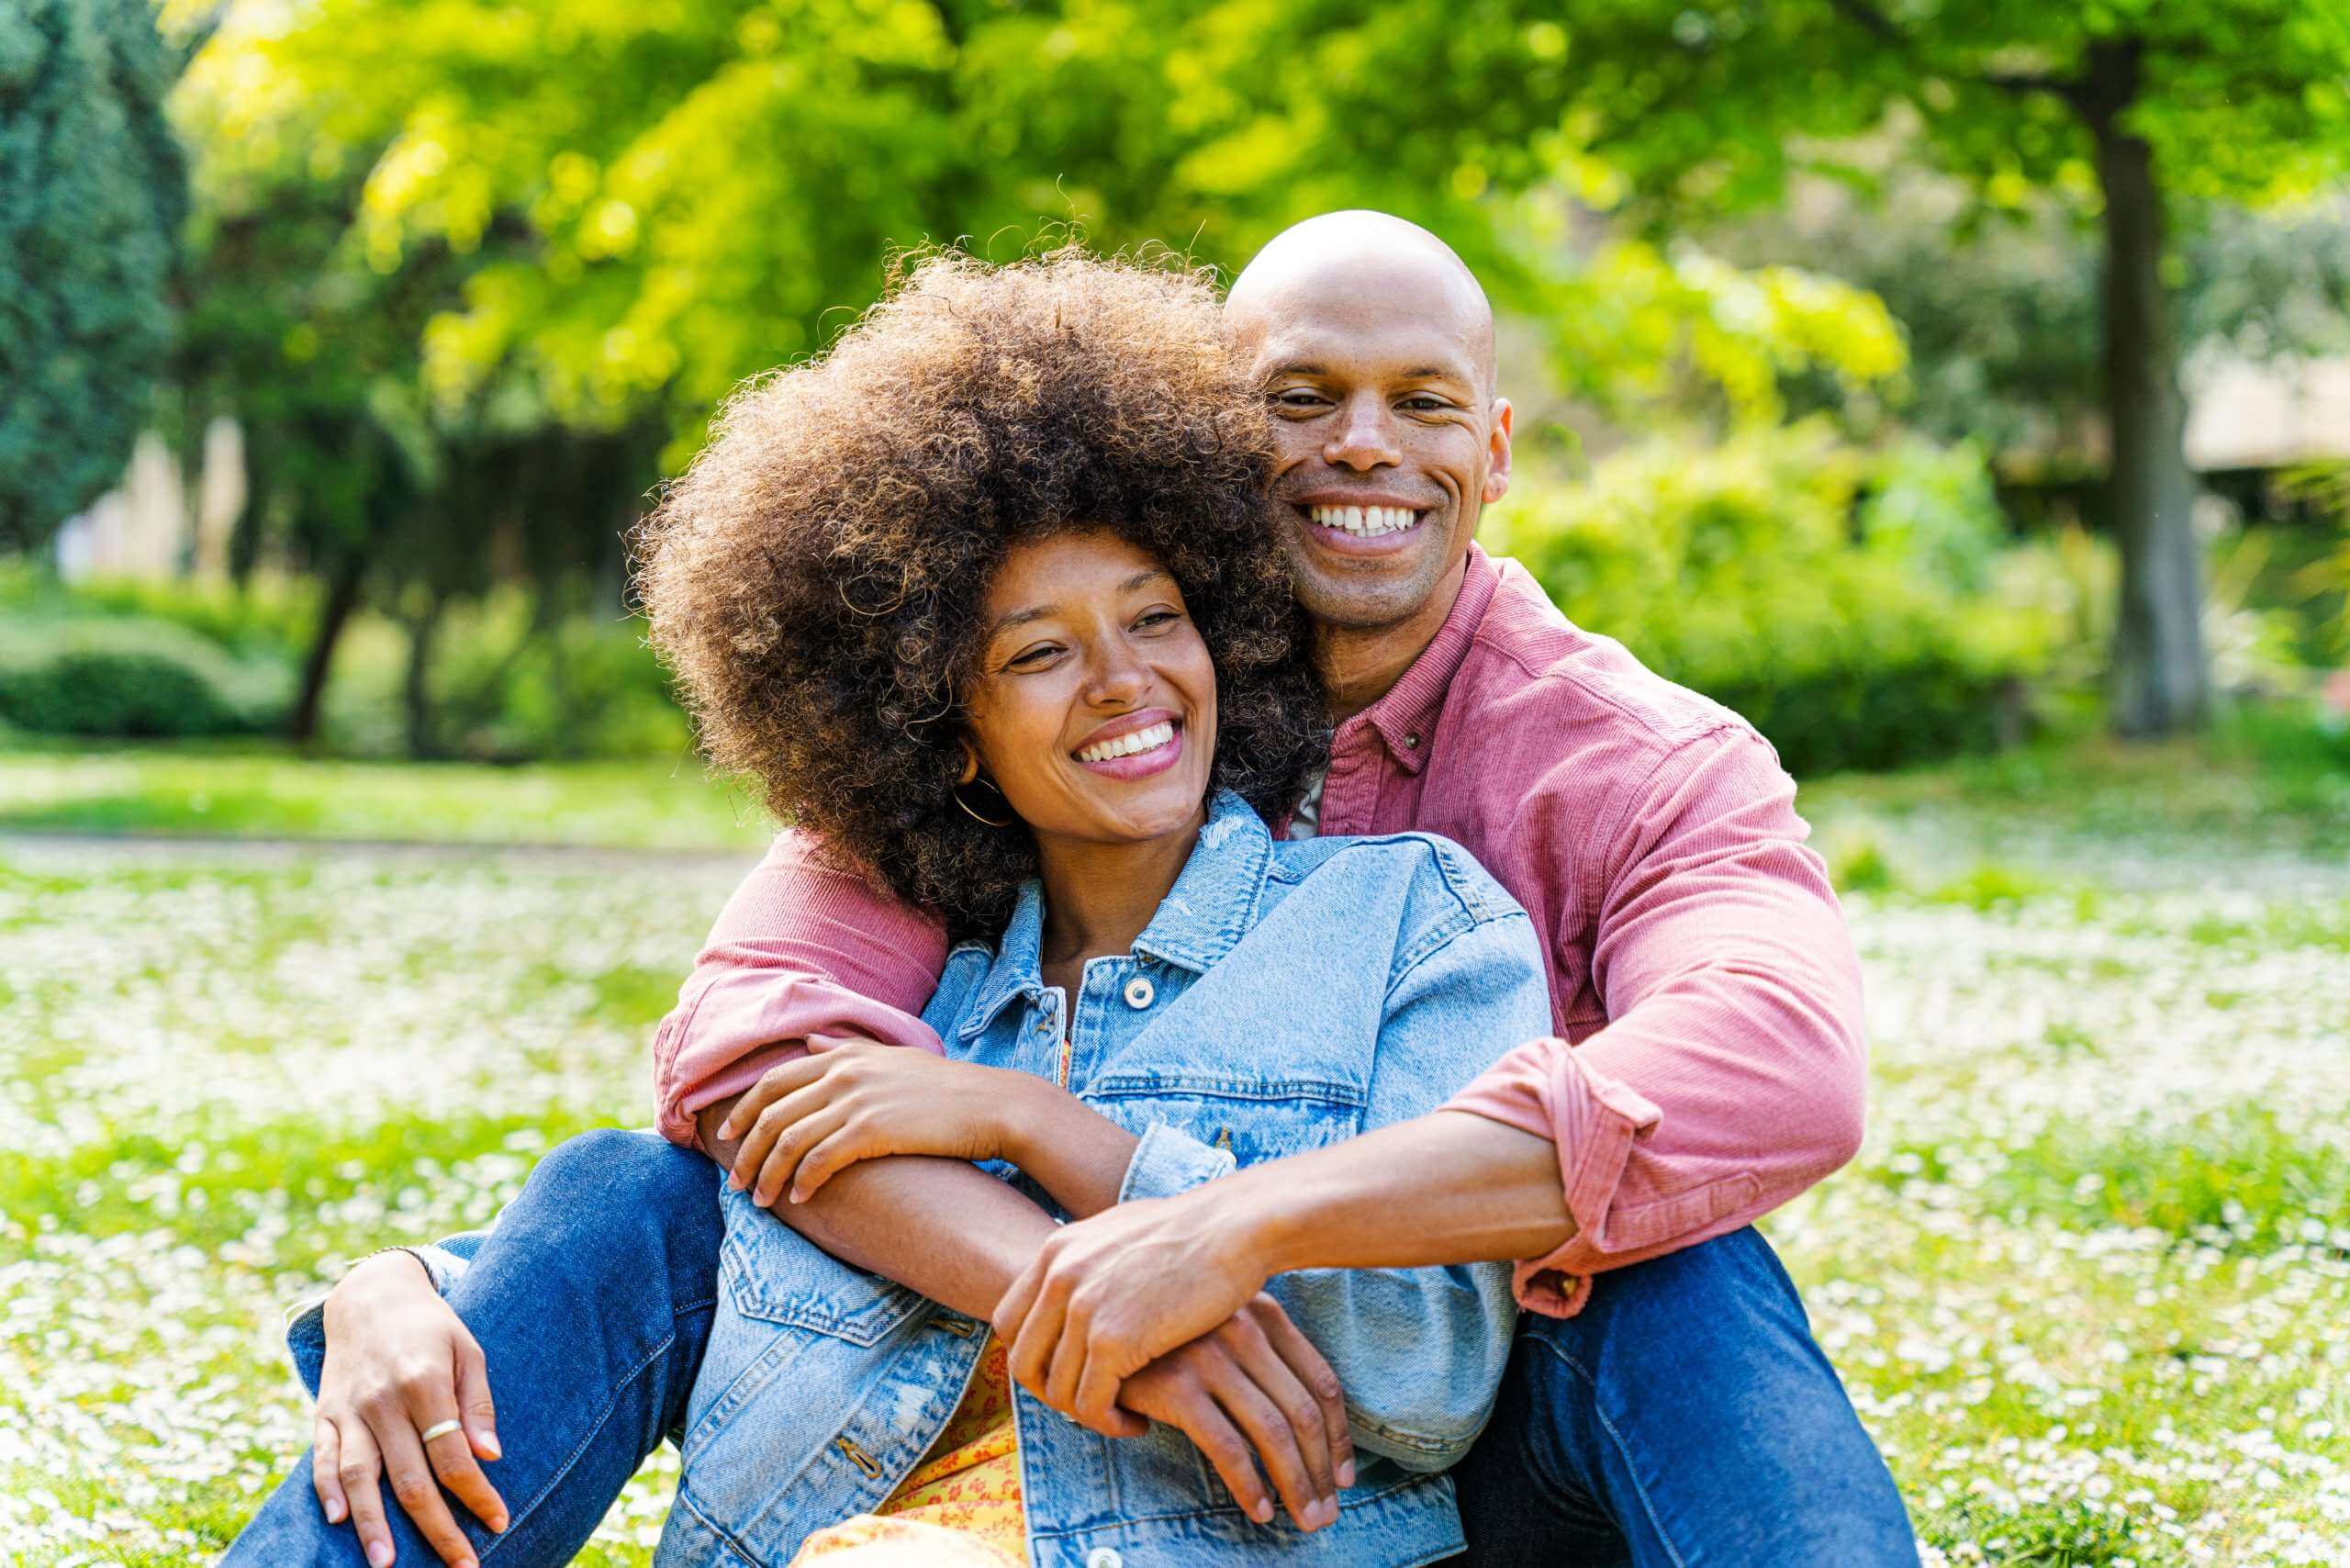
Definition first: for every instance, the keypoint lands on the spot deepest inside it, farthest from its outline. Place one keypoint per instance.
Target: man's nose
(1365, 438)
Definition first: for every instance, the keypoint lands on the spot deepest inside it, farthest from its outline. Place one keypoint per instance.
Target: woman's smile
(1139, 746)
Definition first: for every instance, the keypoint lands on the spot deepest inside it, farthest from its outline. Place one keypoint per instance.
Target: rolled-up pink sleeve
(1729, 1076)
(801, 949)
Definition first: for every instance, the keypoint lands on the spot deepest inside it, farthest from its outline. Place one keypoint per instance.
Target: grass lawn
(260, 792)
(2090, 1281)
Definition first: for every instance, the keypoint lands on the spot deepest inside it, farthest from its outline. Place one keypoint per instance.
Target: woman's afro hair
(814, 579)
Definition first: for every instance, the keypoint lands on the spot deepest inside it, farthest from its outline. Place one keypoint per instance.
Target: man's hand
(398, 1363)
(804, 1122)
(1252, 1389)
(1108, 1295)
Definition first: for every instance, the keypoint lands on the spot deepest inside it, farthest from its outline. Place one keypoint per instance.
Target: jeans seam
(1631, 1466)
(572, 1457)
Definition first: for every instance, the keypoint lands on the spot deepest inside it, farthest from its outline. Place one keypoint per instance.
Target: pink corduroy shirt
(1708, 1061)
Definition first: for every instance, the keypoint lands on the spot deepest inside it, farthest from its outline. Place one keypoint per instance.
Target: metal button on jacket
(1138, 995)
(1104, 1557)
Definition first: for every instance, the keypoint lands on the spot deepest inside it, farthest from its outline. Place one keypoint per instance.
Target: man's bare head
(1375, 347)
(1363, 253)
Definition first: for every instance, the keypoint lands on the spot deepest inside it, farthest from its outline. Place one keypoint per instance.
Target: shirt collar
(1211, 905)
(1405, 718)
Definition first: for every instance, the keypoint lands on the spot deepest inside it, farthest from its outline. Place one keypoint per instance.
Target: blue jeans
(1685, 1416)
(592, 1299)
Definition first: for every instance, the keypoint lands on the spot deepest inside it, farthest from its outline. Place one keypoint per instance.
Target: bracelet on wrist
(352, 1267)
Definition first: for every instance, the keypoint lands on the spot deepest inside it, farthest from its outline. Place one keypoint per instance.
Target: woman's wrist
(1067, 1147)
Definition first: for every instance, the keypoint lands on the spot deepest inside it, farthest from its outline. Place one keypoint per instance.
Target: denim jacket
(1285, 996)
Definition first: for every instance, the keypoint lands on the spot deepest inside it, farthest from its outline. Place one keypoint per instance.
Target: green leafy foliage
(93, 190)
(1853, 629)
(130, 677)
(641, 206)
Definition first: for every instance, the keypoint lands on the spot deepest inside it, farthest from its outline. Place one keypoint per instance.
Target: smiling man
(1665, 1402)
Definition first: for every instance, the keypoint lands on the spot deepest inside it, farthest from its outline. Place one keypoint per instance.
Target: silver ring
(438, 1430)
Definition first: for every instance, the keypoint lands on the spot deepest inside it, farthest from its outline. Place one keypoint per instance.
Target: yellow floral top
(962, 1503)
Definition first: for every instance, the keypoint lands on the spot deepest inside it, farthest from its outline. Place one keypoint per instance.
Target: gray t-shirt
(1305, 819)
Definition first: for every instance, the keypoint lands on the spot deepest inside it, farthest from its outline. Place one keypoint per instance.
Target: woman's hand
(1254, 1389)
(398, 1363)
(1105, 1296)
(806, 1120)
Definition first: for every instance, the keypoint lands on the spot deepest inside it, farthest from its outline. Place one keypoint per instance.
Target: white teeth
(1366, 522)
(1151, 739)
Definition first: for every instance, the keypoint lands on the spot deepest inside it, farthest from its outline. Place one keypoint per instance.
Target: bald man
(1666, 1402)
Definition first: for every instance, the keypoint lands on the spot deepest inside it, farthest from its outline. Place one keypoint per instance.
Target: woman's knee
(628, 1197)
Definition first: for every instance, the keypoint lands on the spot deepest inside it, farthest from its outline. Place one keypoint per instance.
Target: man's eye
(1423, 403)
(1298, 399)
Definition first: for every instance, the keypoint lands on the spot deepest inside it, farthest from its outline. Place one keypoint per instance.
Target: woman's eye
(1031, 658)
(1155, 618)
(1299, 399)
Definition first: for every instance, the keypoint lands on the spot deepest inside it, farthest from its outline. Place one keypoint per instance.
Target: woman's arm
(1249, 1387)
(806, 1121)
(1100, 1288)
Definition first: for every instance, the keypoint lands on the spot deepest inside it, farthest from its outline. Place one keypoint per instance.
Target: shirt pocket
(772, 1273)
(1254, 1116)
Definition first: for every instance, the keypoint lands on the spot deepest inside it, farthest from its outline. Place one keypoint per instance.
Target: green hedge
(128, 677)
(1841, 600)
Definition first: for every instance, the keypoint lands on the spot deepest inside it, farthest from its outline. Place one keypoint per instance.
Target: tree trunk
(342, 598)
(2162, 683)
(423, 745)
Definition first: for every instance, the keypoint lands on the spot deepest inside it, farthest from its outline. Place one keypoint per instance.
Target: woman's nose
(1119, 680)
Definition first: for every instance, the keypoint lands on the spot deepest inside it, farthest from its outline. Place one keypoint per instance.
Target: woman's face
(1093, 708)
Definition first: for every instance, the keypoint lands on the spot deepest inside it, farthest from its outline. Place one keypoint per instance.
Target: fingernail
(798, 1196)
(1346, 1472)
(379, 1552)
(1263, 1513)
(1326, 1511)
(489, 1444)
(334, 1511)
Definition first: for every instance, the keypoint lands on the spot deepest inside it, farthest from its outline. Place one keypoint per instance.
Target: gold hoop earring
(974, 815)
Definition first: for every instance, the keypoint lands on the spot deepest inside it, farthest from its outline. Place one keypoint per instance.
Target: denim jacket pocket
(1254, 1118)
(776, 1275)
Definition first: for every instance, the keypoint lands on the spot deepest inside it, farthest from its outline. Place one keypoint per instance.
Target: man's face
(1388, 439)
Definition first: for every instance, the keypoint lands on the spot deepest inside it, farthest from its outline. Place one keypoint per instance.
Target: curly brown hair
(814, 579)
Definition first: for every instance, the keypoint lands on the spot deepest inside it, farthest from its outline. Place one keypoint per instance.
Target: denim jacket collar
(1213, 904)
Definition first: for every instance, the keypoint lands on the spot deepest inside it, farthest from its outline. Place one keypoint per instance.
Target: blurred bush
(515, 680)
(1842, 600)
(124, 676)
(512, 682)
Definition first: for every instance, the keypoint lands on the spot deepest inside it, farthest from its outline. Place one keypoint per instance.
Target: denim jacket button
(1138, 995)
(1106, 1556)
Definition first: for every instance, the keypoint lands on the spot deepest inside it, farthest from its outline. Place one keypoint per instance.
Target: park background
(1963, 393)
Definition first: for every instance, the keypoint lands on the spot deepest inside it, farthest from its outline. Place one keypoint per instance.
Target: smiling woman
(841, 540)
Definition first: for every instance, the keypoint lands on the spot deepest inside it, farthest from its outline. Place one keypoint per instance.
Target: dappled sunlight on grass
(2089, 1281)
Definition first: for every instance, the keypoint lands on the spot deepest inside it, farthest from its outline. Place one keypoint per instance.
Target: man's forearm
(943, 1228)
(1449, 1187)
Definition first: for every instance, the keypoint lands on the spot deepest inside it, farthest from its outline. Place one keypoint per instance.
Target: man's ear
(1497, 454)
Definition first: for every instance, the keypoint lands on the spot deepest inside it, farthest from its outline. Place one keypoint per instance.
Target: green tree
(2127, 108)
(710, 183)
(93, 192)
